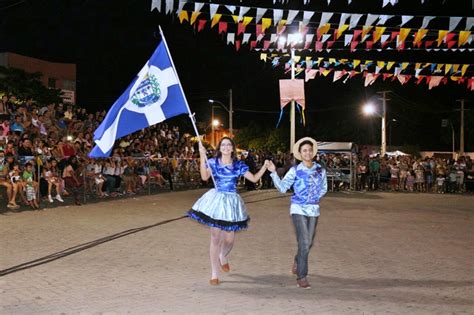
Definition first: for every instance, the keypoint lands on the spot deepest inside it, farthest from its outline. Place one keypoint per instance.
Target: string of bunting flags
(384, 2)
(274, 30)
(344, 69)
(322, 30)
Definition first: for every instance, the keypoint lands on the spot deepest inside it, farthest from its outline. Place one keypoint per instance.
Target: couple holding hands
(223, 210)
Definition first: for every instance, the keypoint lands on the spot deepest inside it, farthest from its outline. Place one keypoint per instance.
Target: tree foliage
(26, 85)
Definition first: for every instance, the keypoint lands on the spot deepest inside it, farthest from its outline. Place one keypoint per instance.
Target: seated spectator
(6, 183)
(71, 181)
(53, 180)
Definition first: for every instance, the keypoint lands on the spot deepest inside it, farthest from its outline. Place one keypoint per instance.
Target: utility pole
(461, 133)
(292, 113)
(384, 99)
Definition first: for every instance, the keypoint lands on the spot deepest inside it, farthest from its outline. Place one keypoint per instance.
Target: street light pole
(383, 148)
(229, 110)
(212, 126)
(231, 129)
(292, 114)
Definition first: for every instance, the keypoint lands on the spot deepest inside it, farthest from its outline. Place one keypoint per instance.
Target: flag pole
(191, 116)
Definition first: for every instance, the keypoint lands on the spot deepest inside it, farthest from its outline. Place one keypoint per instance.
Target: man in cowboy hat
(310, 185)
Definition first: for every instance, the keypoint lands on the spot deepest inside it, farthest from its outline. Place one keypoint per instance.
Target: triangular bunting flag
(453, 22)
(215, 19)
(222, 27)
(378, 33)
(463, 37)
(201, 25)
(183, 16)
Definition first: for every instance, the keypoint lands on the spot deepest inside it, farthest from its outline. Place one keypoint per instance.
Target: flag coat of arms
(153, 96)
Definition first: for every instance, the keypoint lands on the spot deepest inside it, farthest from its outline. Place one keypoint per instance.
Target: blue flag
(153, 96)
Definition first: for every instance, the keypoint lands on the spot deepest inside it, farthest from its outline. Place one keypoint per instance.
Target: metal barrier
(184, 174)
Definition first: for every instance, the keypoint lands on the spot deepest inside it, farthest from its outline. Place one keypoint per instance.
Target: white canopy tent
(343, 148)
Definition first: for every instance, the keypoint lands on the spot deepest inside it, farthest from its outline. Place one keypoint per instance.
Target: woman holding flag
(221, 208)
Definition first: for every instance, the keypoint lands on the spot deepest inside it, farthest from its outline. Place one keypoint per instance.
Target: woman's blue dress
(222, 207)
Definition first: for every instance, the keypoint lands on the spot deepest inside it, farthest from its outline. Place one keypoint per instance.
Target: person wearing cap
(309, 182)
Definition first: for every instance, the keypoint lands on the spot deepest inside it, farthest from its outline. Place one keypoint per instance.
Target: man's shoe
(50, 199)
(58, 198)
(303, 283)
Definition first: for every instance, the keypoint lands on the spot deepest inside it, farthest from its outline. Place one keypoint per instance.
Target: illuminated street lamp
(229, 110)
(369, 110)
(214, 123)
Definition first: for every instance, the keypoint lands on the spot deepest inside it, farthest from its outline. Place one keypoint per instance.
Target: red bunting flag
(222, 27)
(201, 25)
(356, 34)
(354, 45)
(240, 28)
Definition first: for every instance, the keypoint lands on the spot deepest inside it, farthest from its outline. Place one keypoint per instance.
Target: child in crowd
(30, 186)
(420, 179)
(440, 184)
(410, 181)
(452, 180)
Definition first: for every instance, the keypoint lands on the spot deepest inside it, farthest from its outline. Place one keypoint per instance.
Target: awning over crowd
(336, 147)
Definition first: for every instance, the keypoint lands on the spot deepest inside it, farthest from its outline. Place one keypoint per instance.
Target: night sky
(111, 40)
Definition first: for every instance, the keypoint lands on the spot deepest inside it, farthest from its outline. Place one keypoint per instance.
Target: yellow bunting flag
(464, 69)
(297, 59)
(183, 15)
(441, 36)
(308, 59)
(379, 30)
(194, 16)
(405, 65)
(455, 68)
(390, 65)
(343, 61)
(381, 64)
(236, 18)
(324, 29)
(320, 59)
(281, 26)
(341, 30)
(356, 62)
(215, 19)
(463, 37)
(247, 20)
(447, 68)
(326, 72)
(417, 65)
(439, 66)
(266, 22)
(263, 57)
(365, 31)
(420, 35)
(426, 64)
(332, 60)
(403, 34)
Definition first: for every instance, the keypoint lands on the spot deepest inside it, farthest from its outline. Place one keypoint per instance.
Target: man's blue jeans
(305, 228)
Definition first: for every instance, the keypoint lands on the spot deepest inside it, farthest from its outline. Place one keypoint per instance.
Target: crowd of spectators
(405, 173)
(43, 154)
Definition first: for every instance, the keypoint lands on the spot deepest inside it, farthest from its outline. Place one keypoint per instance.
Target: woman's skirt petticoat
(223, 210)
